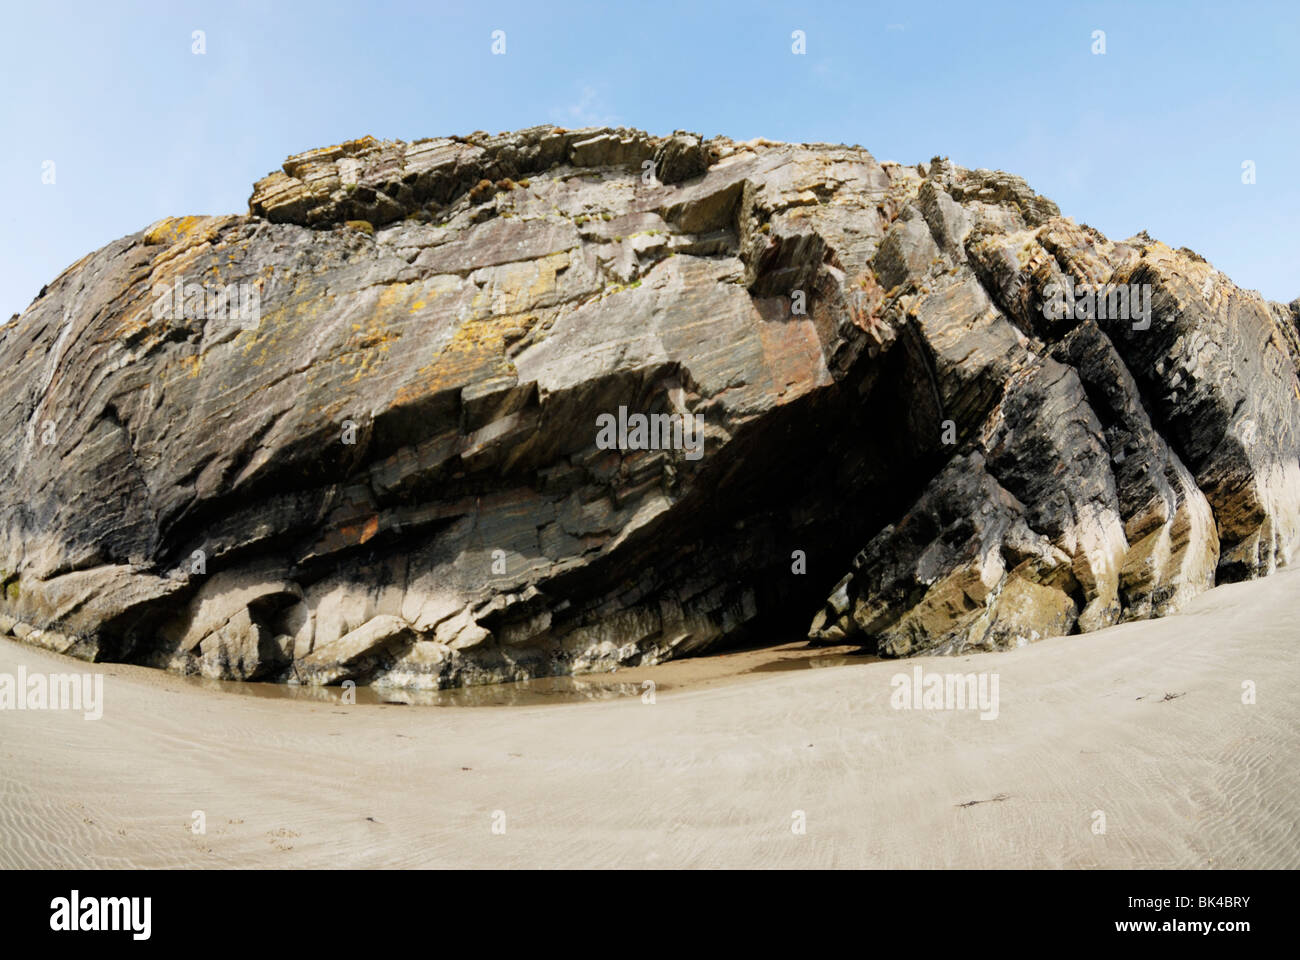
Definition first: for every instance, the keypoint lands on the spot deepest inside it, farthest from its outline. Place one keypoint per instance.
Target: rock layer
(390, 471)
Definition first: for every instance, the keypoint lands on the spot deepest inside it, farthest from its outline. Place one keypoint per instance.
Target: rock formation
(354, 433)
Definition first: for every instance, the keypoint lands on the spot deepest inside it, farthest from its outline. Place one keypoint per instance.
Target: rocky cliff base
(386, 465)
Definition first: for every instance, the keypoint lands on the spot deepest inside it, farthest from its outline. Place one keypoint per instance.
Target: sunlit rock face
(549, 402)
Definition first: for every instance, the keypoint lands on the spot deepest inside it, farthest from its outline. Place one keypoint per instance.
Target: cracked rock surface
(390, 473)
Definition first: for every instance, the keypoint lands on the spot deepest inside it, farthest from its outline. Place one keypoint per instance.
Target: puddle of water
(810, 663)
(709, 670)
(521, 693)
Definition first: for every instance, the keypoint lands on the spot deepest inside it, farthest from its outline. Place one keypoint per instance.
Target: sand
(1142, 724)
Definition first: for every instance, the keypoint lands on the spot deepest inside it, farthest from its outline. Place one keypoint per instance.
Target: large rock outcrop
(386, 463)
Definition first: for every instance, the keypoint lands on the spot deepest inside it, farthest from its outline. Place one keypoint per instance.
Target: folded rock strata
(390, 473)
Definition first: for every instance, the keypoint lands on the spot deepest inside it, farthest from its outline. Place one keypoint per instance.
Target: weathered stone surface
(1139, 518)
(355, 653)
(390, 472)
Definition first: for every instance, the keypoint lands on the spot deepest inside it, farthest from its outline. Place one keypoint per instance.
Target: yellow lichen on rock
(170, 229)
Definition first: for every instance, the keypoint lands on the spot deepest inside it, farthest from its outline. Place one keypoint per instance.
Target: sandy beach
(1140, 728)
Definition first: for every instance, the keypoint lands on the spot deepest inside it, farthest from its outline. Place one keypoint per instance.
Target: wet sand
(1142, 723)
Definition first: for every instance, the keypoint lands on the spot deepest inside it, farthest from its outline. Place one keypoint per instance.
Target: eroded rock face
(387, 468)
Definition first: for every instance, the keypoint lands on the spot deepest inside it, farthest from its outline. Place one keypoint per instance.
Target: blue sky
(1151, 135)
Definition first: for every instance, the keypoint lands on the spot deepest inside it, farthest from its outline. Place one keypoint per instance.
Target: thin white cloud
(590, 109)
